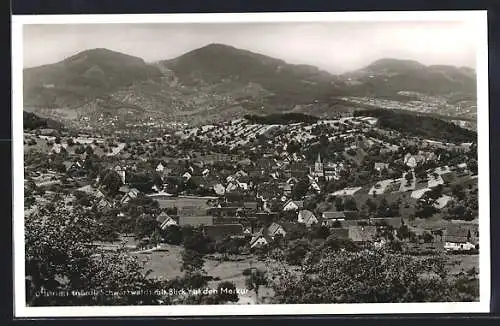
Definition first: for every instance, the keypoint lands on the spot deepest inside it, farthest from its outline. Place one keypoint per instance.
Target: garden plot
(442, 201)
(417, 194)
(434, 180)
(346, 191)
(442, 170)
(380, 187)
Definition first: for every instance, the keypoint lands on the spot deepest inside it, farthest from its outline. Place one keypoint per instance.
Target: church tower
(318, 167)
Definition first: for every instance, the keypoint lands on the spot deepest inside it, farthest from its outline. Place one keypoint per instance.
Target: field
(463, 263)
(166, 265)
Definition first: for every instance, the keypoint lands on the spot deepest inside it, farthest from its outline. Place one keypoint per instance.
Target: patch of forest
(281, 118)
(420, 125)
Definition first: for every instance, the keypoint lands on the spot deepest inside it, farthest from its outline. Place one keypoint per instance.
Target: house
(160, 167)
(131, 194)
(287, 189)
(219, 189)
(293, 205)
(331, 174)
(260, 239)
(121, 171)
(232, 186)
(219, 232)
(363, 234)
(229, 211)
(124, 189)
(165, 220)
(195, 220)
(99, 194)
(461, 236)
(329, 218)
(307, 217)
(72, 166)
(226, 220)
(104, 203)
(88, 189)
(187, 176)
(380, 166)
(265, 164)
(250, 205)
(265, 217)
(275, 229)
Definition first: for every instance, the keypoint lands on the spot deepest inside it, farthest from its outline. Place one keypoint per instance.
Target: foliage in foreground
(63, 268)
(370, 276)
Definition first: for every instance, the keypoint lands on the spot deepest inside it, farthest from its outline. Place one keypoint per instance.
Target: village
(248, 188)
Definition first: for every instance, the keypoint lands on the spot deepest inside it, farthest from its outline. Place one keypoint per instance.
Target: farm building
(461, 236)
(195, 220)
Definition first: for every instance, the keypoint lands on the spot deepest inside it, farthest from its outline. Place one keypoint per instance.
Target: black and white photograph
(246, 164)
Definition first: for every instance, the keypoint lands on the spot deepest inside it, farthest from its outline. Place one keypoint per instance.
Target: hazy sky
(333, 46)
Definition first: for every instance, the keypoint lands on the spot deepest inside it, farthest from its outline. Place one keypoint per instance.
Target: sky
(336, 47)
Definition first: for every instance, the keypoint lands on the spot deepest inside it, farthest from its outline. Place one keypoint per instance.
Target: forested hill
(420, 125)
(285, 118)
(31, 121)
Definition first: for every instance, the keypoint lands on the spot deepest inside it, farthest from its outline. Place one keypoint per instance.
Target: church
(329, 172)
(317, 171)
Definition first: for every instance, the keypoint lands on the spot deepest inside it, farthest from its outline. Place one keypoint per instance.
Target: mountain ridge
(219, 77)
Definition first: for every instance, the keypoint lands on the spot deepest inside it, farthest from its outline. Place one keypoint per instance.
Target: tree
(427, 237)
(458, 191)
(384, 277)
(59, 259)
(296, 251)
(339, 204)
(112, 182)
(300, 189)
(172, 235)
(145, 226)
(255, 280)
(372, 205)
(319, 231)
(193, 239)
(192, 261)
(350, 204)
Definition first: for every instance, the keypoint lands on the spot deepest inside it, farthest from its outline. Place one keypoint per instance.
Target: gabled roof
(250, 204)
(169, 220)
(306, 216)
(274, 227)
(458, 232)
(195, 220)
(298, 203)
(262, 233)
(333, 215)
(162, 217)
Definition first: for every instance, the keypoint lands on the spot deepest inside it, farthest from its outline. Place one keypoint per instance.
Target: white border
(478, 18)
